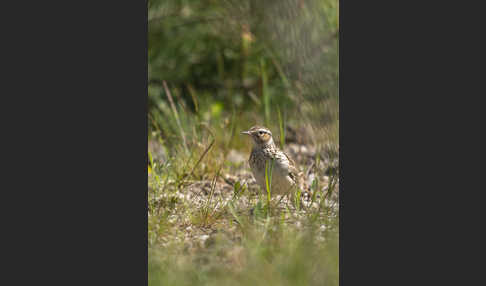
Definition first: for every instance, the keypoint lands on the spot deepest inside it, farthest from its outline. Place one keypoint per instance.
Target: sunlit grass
(250, 241)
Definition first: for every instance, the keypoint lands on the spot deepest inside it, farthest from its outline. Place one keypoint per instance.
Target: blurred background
(244, 59)
(218, 67)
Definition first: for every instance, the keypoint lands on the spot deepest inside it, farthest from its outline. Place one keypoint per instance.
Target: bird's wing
(293, 171)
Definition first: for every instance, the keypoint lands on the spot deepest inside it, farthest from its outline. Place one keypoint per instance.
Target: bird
(284, 173)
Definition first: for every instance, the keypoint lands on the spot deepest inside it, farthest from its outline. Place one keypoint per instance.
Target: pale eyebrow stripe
(265, 131)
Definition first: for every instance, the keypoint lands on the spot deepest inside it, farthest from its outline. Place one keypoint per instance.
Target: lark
(284, 173)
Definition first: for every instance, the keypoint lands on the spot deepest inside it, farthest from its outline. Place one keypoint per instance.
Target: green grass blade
(281, 128)
(265, 95)
(268, 179)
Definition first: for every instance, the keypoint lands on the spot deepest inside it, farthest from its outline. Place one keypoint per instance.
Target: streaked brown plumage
(285, 174)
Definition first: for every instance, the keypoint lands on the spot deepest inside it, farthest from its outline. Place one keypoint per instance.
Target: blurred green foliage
(222, 56)
(283, 257)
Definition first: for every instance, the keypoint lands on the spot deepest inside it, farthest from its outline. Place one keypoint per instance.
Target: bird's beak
(245, 132)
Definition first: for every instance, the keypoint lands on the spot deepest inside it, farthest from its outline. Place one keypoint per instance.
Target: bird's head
(261, 136)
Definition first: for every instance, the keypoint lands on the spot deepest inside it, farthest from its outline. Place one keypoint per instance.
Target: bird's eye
(260, 132)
